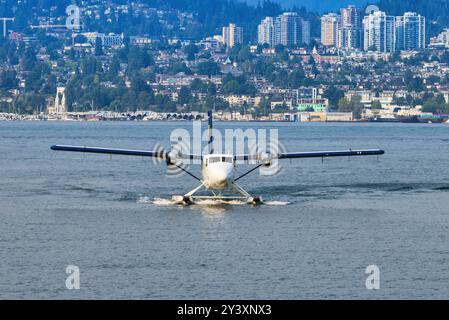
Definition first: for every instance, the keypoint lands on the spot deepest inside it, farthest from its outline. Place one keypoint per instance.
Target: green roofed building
(315, 105)
(309, 100)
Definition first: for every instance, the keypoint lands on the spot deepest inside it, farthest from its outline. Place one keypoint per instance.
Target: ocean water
(323, 222)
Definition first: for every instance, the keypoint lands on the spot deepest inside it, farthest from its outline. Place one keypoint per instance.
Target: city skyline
(375, 31)
(261, 74)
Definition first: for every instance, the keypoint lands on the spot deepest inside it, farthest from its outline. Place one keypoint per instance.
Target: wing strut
(189, 173)
(248, 172)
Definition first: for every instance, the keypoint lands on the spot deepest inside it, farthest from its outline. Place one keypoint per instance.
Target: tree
(413, 83)
(144, 100)
(80, 39)
(197, 85)
(184, 95)
(334, 95)
(114, 69)
(138, 84)
(436, 104)
(232, 87)
(28, 59)
(8, 79)
(50, 85)
(208, 68)
(376, 105)
(190, 50)
(98, 47)
(265, 106)
(164, 103)
(138, 58)
(179, 67)
(296, 78)
(354, 105)
(90, 66)
(244, 54)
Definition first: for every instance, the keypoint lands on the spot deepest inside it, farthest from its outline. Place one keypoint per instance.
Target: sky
(318, 5)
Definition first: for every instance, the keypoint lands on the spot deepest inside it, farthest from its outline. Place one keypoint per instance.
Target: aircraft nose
(222, 176)
(225, 175)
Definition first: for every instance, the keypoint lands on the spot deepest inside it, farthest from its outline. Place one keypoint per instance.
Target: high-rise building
(305, 32)
(289, 24)
(351, 16)
(232, 35)
(410, 31)
(399, 33)
(277, 30)
(287, 29)
(379, 32)
(265, 32)
(351, 30)
(329, 29)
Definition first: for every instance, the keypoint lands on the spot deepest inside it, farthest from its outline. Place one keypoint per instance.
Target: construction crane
(4, 24)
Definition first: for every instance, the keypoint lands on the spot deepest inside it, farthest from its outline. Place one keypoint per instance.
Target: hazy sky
(319, 5)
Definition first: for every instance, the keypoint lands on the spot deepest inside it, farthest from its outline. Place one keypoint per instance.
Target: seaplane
(218, 170)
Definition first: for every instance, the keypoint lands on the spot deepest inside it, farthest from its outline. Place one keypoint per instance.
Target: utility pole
(4, 24)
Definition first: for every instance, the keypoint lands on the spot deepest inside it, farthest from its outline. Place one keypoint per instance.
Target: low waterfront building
(308, 99)
(317, 105)
(366, 96)
(326, 116)
(279, 104)
(240, 100)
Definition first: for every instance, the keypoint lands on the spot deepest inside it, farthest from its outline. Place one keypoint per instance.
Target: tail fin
(210, 143)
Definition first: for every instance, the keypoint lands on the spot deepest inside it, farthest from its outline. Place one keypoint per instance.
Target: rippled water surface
(321, 226)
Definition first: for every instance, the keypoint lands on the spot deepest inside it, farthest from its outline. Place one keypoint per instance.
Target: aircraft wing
(161, 154)
(316, 154)
(190, 156)
(127, 152)
(323, 154)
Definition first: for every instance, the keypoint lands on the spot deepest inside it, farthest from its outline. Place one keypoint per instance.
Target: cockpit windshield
(226, 159)
(215, 159)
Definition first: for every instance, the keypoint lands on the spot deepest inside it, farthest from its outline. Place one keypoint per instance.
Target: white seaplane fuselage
(218, 171)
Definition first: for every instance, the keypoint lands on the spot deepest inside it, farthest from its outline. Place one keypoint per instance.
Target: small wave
(128, 197)
(441, 188)
(404, 188)
(277, 203)
(157, 201)
(213, 202)
(394, 187)
(80, 188)
(144, 200)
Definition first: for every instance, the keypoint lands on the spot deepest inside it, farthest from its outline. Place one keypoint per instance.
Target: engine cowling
(171, 157)
(265, 159)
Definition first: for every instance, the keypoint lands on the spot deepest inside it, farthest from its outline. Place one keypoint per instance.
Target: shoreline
(216, 120)
(9, 117)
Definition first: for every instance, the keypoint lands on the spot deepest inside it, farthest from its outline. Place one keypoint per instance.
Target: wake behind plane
(218, 171)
